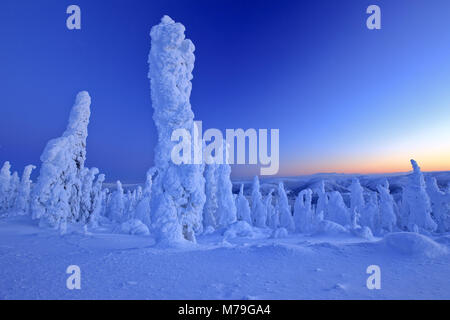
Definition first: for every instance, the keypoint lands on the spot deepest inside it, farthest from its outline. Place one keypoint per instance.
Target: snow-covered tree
(98, 200)
(210, 207)
(356, 196)
(370, 213)
(273, 216)
(57, 194)
(303, 212)
(117, 204)
(439, 205)
(87, 199)
(178, 194)
(322, 201)
(243, 207)
(14, 189)
(259, 212)
(416, 206)
(284, 209)
(226, 207)
(5, 187)
(143, 205)
(388, 219)
(22, 204)
(337, 211)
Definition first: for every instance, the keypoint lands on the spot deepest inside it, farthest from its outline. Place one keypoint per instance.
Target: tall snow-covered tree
(370, 213)
(439, 205)
(178, 189)
(273, 217)
(388, 219)
(22, 204)
(284, 209)
(337, 211)
(303, 212)
(98, 196)
(87, 199)
(416, 206)
(243, 207)
(259, 212)
(14, 190)
(56, 196)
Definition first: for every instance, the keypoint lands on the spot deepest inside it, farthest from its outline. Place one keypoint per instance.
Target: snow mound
(363, 232)
(134, 226)
(327, 227)
(279, 233)
(239, 229)
(413, 244)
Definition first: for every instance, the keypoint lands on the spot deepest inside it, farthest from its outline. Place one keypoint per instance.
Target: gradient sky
(345, 98)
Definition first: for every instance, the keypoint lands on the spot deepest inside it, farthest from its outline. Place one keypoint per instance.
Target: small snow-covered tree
(284, 209)
(356, 196)
(273, 217)
(98, 204)
(416, 206)
(439, 205)
(14, 189)
(388, 219)
(243, 207)
(22, 204)
(143, 205)
(370, 213)
(178, 191)
(59, 184)
(5, 187)
(210, 207)
(117, 204)
(303, 212)
(259, 212)
(337, 211)
(226, 207)
(322, 201)
(87, 199)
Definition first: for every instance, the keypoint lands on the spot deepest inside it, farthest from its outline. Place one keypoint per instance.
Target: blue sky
(345, 98)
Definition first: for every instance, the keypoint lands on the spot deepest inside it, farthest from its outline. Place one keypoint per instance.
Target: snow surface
(33, 262)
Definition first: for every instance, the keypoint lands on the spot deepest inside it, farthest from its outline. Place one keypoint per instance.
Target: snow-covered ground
(33, 264)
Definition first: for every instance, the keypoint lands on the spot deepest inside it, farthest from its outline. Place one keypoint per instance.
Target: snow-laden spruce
(259, 212)
(322, 201)
(210, 207)
(243, 207)
(303, 212)
(388, 218)
(5, 187)
(337, 211)
(116, 210)
(178, 194)
(439, 205)
(416, 206)
(273, 216)
(56, 198)
(356, 196)
(22, 202)
(226, 206)
(284, 209)
(142, 211)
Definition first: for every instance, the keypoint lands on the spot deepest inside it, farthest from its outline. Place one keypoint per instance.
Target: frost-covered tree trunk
(416, 207)
(303, 213)
(5, 187)
(210, 207)
(337, 211)
(243, 207)
(439, 205)
(259, 212)
(178, 190)
(22, 204)
(59, 186)
(356, 196)
(388, 219)
(286, 219)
